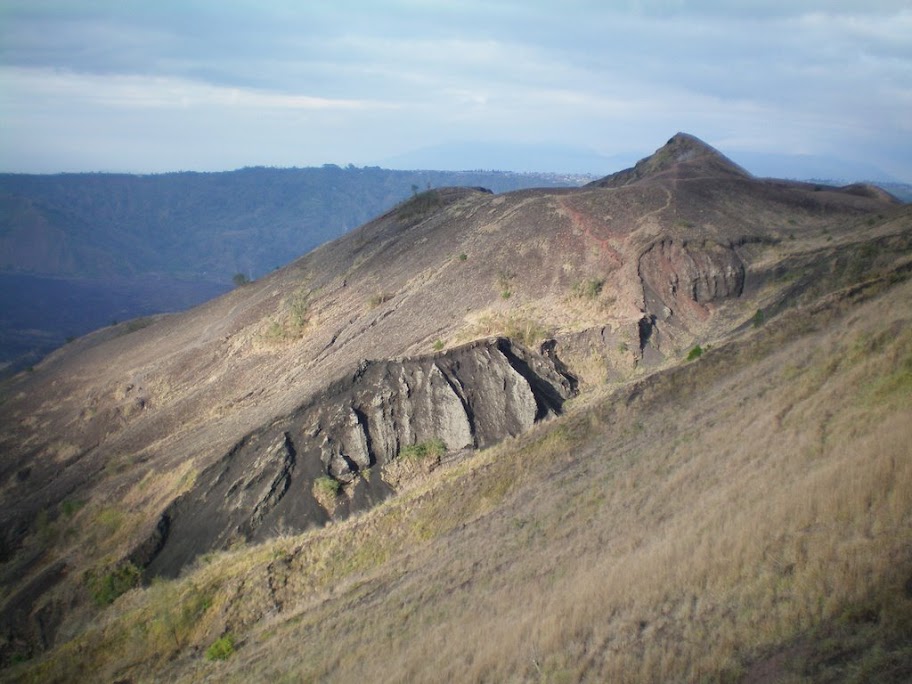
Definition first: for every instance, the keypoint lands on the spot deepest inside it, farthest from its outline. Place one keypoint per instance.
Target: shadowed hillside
(652, 429)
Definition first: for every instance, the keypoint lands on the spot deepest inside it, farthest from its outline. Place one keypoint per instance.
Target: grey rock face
(468, 397)
(675, 272)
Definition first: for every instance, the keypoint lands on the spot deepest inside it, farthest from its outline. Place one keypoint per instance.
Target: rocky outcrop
(468, 397)
(677, 274)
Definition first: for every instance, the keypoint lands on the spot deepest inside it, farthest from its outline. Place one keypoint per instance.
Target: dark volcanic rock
(468, 397)
(677, 274)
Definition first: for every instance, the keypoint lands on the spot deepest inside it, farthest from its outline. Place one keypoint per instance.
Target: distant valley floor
(39, 314)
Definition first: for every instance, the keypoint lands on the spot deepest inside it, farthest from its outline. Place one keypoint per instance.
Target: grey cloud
(616, 76)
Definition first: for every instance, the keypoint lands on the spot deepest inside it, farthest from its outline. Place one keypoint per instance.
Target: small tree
(239, 279)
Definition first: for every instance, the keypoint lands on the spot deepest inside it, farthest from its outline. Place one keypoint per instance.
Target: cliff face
(683, 277)
(468, 397)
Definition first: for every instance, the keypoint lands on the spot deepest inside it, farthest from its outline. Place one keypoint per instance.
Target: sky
(118, 85)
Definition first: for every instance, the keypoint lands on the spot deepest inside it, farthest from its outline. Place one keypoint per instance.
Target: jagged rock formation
(468, 397)
(676, 274)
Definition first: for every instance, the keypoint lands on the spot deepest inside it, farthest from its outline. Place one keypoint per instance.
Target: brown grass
(685, 528)
(520, 326)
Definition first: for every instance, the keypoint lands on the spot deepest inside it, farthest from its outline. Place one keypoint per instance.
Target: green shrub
(758, 318)
(109, 520)
(69, 507)
(695, 353)
(438, 345)
(329, 486)
(299, 310)
(239, 279)
(108, 587)
(432, 448)
(221, 648)
(291, 323)
(463, 256)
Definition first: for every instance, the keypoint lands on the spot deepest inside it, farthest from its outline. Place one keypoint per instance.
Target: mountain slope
(80, 250)
(682, 153)
(744, 517)
(585, 286)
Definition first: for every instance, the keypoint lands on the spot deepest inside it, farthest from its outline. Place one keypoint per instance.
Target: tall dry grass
(753, 503)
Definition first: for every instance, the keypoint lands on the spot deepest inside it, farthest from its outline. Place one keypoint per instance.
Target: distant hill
(902, 191)
(204, 226)
(804, 166)
(525, 157)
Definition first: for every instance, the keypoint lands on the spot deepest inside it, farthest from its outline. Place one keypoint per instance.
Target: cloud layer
(212, 85)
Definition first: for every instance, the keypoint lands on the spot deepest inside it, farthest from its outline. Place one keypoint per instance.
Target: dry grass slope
(744, 517)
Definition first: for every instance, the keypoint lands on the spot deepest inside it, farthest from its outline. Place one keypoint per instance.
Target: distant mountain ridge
(206, 226)
(522, 157)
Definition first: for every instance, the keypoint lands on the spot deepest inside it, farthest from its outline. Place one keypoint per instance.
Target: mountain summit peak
(681, 151)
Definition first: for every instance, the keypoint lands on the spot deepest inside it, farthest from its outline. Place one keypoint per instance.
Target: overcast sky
(160, 85)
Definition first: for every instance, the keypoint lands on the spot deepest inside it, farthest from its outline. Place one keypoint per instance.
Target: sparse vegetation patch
(133, 325)
(525, 330)
(326, 490)
(327, 486)
(432, 448)
(107, 587)
(589, 289)
(221, 648)
(293, 321)
(70, 507)
(379, 298)
(420, 206)
(505, 284)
